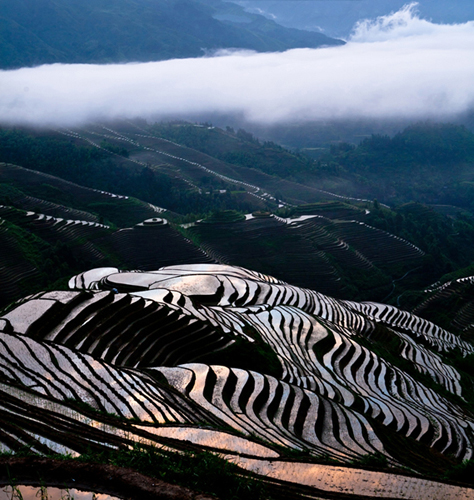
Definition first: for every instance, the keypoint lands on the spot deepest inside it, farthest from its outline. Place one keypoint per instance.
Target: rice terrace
(236, 250)
(132, 347)
(227, 345)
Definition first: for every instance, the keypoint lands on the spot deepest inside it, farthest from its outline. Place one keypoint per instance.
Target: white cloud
(396, 66)
(399, 24)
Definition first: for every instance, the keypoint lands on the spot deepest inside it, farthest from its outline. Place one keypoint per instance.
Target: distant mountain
(337, 17)
(34, 32)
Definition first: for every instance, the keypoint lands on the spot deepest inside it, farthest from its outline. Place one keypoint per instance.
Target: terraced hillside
(52, 227)
(32, 190)
(258, 175)
(230, 360)
(282, 369)
(347, 248)
(330, 255)
(451, 303)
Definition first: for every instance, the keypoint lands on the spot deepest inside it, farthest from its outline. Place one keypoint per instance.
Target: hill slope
(233, 361)
(348, 248)
(35, 32)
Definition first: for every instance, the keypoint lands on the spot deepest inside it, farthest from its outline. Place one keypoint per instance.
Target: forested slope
(35, 32)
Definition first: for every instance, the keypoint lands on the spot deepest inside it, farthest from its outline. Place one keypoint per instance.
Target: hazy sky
(395, 66)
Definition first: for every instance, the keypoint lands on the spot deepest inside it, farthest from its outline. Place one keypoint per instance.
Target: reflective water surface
(49, 493)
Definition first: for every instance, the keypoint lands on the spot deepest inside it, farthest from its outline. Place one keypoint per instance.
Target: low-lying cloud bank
(398, 66)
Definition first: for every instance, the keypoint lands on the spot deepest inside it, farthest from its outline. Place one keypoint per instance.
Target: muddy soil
(118, 481)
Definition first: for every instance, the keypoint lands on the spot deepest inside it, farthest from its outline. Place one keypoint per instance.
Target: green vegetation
(52, 154)
(426, 162)
(121, 151)
(445, 309)
(88, 166)
(257, 356)
(50, 261)
(376, 460)
(200, 471)
(223, 217)
(445, 235)
(238, 148)
(463, 472)
(447, 241)
(388, 345)
(37, 32)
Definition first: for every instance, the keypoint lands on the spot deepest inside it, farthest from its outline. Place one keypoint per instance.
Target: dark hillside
(38, 32)
(238, 148)
(339, 257)
(50, 227)
(119, 175)
(89, 161)
(428, 162)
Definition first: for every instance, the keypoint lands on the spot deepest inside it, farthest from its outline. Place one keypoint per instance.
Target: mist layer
(397, 66)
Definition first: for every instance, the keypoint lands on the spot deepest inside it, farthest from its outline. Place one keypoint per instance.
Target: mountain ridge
(47, 31)
(339, 18)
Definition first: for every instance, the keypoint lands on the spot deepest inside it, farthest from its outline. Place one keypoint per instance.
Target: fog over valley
(396, 66)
